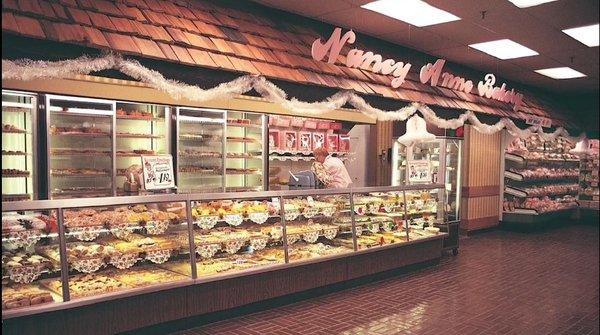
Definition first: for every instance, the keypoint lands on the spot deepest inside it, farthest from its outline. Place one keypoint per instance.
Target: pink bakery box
(274, 139)
(335, 126)
(310, 124)
(344, 143)
(318, 140)
(323, 125)
(289, 140)
(304, 141)
(332, 141)
(297, 122)
(280, 121)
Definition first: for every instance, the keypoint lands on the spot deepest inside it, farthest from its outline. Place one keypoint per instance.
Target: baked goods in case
(84, 285)
(16, 222)
(22, 259)
(145, 276)
(15, 173)
(23, 295)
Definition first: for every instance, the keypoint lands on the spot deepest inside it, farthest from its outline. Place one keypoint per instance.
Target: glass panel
(318, 226)
(141, 130)
(452, 178)
(233, 236)
(422, 210)
(200, 146)
(80, 147)
(244, 149)
(29, 276)
(380, 219)
(17, 146)
(123, 247)
(421, 153)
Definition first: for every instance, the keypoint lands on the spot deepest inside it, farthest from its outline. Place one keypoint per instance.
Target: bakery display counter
(121, 251)
(24, 267)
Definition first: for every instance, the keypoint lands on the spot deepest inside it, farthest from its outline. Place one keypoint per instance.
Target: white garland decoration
(29, 70)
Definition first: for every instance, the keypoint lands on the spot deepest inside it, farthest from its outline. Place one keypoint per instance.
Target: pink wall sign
(430, 73)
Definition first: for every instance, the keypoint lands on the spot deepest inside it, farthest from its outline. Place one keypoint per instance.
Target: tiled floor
(501, 283)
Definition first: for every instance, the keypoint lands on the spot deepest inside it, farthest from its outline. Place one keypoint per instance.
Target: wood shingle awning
(219, 36)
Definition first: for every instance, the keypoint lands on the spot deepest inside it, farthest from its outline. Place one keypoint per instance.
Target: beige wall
(482, 156)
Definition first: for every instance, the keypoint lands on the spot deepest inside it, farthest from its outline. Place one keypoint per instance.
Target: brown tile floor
(501, 283)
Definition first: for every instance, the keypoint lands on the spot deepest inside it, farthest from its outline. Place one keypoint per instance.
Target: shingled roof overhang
(232, 38)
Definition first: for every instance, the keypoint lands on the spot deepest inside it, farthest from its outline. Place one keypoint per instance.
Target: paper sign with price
(158, 172)
(418, 171)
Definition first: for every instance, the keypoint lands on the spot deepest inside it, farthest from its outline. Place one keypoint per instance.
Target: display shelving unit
(527, 182)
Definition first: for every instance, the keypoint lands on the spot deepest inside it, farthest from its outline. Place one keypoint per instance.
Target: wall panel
(482, 156)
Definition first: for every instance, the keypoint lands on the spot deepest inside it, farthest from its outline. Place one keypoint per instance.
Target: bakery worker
(330, 170)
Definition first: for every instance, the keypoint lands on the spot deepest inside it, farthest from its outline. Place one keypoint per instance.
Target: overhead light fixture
(504, 49)
(415, 12)
(587, 35)
(529, 3)
(560, 73)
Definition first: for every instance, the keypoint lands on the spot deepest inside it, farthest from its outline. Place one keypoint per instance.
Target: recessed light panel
(529, 3)
(415, 12)
(587, 35)
(561, 73)
(504, 49)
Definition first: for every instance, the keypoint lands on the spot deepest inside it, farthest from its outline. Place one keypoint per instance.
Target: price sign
(537, 120)
(158, 172)
(419, 171)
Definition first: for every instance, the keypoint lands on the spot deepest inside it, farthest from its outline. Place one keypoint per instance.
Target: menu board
(158, 172)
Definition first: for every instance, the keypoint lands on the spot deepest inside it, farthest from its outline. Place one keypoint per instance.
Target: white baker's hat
(416, 132)
(581, 148)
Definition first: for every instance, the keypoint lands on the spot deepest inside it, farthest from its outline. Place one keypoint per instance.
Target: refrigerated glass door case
(246, 160)
(200, 148)
(81, 147)
(19, 133)
(141, 129)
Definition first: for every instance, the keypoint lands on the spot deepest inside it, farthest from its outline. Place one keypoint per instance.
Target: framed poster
(419, 171)
(158, 172)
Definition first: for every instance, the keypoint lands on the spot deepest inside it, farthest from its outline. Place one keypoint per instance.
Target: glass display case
(114, 248)
(319, 225)
(66, 250)
(141, 129)
(245, 161)
(80, 147)
(25, 269)
(18, 146)
(437, 161)
(232, 235)
(200, 146)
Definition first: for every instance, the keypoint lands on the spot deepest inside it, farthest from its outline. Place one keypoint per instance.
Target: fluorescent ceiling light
(529, 3)
(587, 35)
(415, 12)
(560, 73)
(504, 49)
